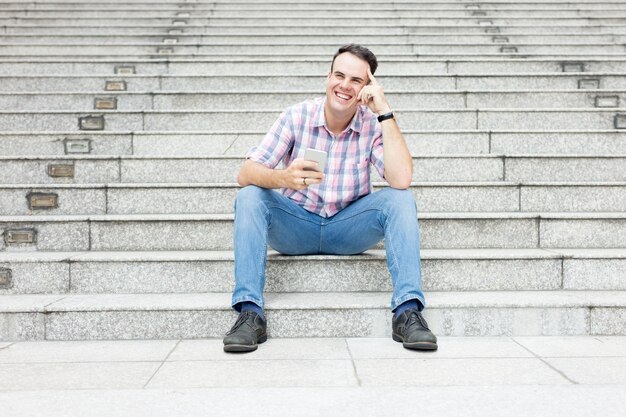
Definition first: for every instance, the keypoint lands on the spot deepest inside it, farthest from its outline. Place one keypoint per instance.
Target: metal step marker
(91, 123)
(472, 6)
(479, 13)
(105, 103)
(20, 236)
(573, 67)
(589, 84)
(42, 201)
(73, 146)
(175, 32)
(183, 14)
(485, 23)
(125, 69)
(5, 278)
(607, 101)
(170, 41)
(508, 49)
(115, 85)
(620, 121)
(165, 51)
(179, 22)
(500, 39)
(61, 170)
(492, 30)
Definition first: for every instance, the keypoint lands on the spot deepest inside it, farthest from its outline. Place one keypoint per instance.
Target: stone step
(231, 120)
(315, 12)
(23, 200)
(260, 39)
(272, 39)
(401, 48)
(205, 271)
(373, 30)
(366, 19)
(253, 57)
(448, 142)
(237, 100)
(80, 68)
(215, 231)
(94, 169)
(330, 6)
(188, 316)
(313, 84)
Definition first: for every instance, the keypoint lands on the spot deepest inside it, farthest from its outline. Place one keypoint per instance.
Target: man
(331, 212)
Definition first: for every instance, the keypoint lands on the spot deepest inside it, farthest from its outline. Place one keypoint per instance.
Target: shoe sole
(233, 348)
(415, 345)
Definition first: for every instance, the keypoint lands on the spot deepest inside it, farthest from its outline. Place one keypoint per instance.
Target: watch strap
(385, 116)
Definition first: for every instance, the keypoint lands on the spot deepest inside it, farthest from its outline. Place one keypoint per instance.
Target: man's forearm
(253, 173)
(396, 156)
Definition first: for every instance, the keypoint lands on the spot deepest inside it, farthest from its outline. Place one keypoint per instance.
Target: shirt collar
(355, 125)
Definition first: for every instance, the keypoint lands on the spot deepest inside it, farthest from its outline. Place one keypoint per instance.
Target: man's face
(344, 82)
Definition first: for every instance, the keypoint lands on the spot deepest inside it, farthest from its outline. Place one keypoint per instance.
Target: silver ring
(304, 181)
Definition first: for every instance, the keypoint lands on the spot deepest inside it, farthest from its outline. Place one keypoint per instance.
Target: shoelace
(416, 317)
(240, 321)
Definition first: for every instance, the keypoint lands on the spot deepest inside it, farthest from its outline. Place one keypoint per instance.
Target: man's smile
(343, 96)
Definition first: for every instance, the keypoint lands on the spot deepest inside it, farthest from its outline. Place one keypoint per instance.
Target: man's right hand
(296, 178)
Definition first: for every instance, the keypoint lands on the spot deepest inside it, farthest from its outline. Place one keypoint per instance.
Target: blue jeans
(266, 217)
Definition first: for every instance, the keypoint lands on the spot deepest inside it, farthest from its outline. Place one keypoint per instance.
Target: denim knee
(250, 196)
(398, 200)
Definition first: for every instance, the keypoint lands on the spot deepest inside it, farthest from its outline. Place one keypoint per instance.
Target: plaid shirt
(347, 174)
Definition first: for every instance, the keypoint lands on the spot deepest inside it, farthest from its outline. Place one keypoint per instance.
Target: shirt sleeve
(377, 152)
(276, 143)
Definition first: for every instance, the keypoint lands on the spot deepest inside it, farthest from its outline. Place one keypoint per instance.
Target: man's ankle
(407, 305)
(250, 306)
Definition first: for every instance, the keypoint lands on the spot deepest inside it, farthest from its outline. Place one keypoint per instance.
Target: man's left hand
(373, 96)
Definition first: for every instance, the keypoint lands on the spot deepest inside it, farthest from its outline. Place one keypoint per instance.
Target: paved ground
(538, 376)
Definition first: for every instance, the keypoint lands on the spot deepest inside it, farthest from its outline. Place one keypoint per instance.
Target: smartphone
(317, 156)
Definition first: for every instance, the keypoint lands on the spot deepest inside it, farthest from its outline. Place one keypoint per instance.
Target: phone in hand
(318, 156)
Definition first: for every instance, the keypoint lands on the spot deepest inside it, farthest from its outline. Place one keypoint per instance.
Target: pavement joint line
(162, 363)
(231, 145)
(567, 378)
(356, 372)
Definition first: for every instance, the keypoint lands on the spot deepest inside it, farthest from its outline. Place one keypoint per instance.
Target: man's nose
(345, 84)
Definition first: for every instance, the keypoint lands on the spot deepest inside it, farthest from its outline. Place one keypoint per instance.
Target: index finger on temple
(371, 76)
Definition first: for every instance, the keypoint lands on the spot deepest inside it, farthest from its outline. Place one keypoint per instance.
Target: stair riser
(439, 169)
(234, 122)
(386, 12)
(15, 202)
(251, 101)
(319, 65)
(310, 323)
(137, 277)
(157, 37)
(310, 84)
(217, 235)
(78, 50)
(429, 143)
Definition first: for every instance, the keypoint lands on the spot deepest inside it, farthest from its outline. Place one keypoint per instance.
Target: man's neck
(337, 123)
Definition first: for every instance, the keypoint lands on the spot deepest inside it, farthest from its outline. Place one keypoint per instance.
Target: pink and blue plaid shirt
(347, 175)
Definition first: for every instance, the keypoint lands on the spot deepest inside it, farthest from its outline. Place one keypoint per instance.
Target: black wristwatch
(385, 116)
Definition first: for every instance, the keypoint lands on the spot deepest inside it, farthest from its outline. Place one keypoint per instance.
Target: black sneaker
(411, 329)
(249, 330)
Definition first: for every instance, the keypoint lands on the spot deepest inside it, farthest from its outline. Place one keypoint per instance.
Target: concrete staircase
(123, 124)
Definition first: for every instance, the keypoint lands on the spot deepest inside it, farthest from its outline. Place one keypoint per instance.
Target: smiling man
(330, 212)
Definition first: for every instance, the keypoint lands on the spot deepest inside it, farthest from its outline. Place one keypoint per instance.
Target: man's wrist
(385, 116)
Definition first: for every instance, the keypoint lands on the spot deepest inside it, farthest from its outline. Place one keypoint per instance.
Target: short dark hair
(360, 52)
